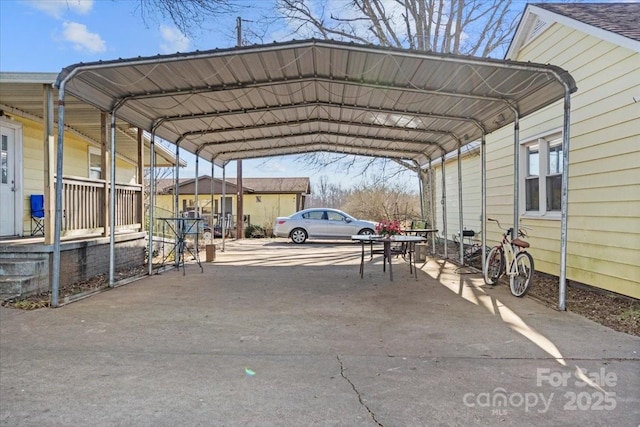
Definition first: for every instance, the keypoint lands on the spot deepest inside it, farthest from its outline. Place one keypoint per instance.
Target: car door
(339, 225)
(315, 222)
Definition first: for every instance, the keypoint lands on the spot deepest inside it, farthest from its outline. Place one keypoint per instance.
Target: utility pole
(240, 189)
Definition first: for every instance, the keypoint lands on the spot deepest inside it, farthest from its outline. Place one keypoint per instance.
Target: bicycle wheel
(521, 282)
(494, 266)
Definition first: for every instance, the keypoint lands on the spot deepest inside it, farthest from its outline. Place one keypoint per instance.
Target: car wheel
(366, 232)
(298, 235)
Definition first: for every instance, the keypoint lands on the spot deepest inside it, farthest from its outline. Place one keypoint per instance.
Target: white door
(8, 163)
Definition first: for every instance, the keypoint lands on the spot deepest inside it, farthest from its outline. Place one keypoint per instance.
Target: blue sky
(48, 35)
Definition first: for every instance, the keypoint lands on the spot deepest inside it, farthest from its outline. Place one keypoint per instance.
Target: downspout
(562, 297)
(55, 277)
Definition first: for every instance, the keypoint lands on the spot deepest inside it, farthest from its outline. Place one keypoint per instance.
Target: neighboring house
(28, 127)
(264, 198)
(599, 44)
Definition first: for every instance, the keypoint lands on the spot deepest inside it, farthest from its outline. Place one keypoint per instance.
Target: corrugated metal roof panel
(317, 95)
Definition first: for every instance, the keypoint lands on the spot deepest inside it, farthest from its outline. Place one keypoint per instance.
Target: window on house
(95, 164)
(542, 182)
(554, 177)
(532, 186)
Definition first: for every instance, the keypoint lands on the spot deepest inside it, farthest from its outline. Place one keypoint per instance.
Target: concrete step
(23, 266)
(11, 286)
(20, 277)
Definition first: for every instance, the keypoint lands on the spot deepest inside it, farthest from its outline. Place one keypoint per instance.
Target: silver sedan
(321, 223)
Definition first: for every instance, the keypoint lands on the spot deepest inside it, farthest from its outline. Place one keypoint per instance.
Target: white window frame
(544, 141)
(95, 152)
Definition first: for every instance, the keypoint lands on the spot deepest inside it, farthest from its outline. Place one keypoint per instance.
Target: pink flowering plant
(388, 227)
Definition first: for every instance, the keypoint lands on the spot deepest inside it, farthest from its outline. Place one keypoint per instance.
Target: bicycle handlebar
(521, 229)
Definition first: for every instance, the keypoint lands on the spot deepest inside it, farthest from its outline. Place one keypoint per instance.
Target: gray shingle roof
(251, 185)
(619, 18)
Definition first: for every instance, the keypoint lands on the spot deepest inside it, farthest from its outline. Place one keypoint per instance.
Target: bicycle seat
(520, 243)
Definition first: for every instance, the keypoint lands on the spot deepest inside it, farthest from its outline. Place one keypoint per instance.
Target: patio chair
(37, 214)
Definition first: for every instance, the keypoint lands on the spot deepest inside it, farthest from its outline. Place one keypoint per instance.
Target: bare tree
(471, 27)
(186, 15)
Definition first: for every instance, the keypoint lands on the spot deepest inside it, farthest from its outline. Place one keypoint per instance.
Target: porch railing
(83, 206)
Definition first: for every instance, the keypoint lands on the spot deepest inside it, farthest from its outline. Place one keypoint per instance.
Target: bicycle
(510, 253)
(472, 249)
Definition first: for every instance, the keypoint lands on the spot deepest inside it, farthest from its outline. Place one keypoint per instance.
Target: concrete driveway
(276, 334)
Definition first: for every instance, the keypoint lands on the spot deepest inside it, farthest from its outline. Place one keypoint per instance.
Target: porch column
(49, 166)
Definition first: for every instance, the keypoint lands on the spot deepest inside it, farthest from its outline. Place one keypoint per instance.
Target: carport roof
(316, 95)
(22, 94)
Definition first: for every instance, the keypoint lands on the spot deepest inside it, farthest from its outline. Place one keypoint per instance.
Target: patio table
(408, 244)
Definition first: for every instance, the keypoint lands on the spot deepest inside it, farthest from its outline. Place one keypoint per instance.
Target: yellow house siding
(471, 201)
(76, 163)
(261, 213)
(603, 247)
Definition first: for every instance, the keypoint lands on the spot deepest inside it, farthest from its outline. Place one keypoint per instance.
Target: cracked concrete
(253, 341)
(373, 416)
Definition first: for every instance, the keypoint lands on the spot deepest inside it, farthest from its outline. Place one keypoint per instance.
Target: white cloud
(82, 38)
(173, 40)
(56, 8)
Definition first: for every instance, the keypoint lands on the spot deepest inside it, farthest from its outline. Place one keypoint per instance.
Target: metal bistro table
(181, 228)
(408, 247)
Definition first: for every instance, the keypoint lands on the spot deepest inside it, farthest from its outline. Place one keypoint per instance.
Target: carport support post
(223, 204)
(483, 196)
(196, 199)
(176, 201)
(516, 176)
(152, 189)
(460, 210)
(212, 225)
(432, 206)
(421, 187)
(564, 207)
(112, 203)
(444, 209)
(55, 276)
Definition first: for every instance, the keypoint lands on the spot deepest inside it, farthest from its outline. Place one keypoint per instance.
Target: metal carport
(317, 95)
